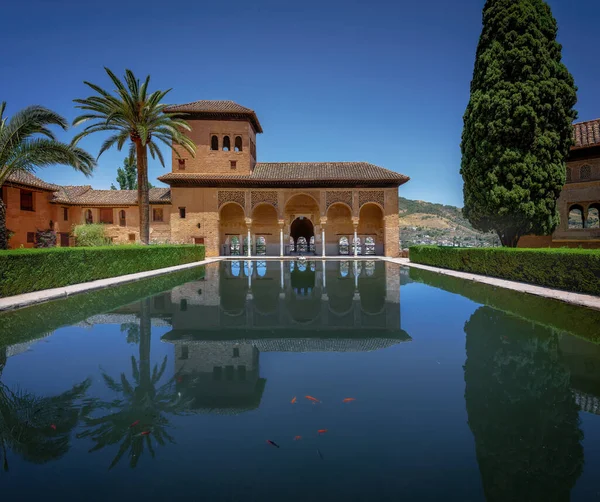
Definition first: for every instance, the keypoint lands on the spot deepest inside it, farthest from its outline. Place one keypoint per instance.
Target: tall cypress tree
(518, 123)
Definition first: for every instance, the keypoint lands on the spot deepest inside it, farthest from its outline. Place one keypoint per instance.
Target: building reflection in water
(221, 324)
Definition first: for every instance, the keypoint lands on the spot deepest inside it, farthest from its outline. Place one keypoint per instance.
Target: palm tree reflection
(37, 429)
(142, 405)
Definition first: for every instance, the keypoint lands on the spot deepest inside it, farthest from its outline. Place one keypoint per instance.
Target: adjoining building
(579, 201)
(225, 199)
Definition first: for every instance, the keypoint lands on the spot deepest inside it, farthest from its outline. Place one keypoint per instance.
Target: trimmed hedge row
(569, 269)
(27, 270)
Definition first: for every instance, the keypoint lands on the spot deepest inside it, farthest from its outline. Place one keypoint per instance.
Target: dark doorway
(64, 240)
(302, 233)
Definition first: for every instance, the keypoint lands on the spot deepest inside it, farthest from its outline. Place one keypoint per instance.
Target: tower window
(226, 144)
(238, 143)
(181, 164)
(214, 143)
(122, 218)
(233, 164)
(65, 213)
(182, 212)
(586, 172)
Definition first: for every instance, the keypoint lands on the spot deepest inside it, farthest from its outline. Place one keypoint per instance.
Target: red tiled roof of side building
(586, 134)
(216, 108)
(25, 179)
(91, 197)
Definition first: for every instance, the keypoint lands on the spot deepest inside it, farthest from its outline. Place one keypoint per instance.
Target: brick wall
(219, 161)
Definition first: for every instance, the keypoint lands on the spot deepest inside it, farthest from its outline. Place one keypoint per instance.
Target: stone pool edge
(27, 299)
(580, 299)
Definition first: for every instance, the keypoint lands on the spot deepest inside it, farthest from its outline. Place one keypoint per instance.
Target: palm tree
(133, 114)
(27, 143)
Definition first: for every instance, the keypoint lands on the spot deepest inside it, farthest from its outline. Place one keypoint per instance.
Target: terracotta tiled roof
(23, 178)
(587, 134)
(217, 108)
(85, 196)
(280, 174)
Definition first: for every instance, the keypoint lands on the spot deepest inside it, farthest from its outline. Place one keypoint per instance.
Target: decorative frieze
(225, 196)
(261, 196)
(366, 196)
(331, 197)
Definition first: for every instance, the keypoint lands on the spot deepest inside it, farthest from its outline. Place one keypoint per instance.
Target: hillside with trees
(429, 223)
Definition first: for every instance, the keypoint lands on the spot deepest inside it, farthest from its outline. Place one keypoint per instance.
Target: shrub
(45, 239)
(568, 269)
(90, 235)
(26, 270)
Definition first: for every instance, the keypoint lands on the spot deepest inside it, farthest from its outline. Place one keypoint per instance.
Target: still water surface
(169, 389)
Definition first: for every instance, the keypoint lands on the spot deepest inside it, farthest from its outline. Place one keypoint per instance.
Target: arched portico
(232, 229)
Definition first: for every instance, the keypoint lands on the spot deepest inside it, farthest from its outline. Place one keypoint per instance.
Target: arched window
(226, 144)
(245, 250)
(575, 217)
(585, 172)
(122, 219)
(214, 143)
(89, 219)
(238, 143)
(261, 246)
(357, 244)
(593, 218)
(569, 178)
(343, 245)
(311, 244)
(292, 246)
(369, 246)
(234, 246)
(235, 268)
(302, 245)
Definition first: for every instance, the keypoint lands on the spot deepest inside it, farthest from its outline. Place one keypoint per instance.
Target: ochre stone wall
(217, 161)
(21, 222)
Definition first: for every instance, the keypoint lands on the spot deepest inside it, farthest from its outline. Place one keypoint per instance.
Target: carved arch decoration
(225, 196)
(376, 196)
(260, 197)
(331, 197)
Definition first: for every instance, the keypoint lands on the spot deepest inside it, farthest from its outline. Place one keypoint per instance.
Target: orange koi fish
(53, 427)
(272, 443)
(134, 423)
(322, 431)
(313, 399)
(145, 433)
(349, 399)
(294, 400)
(297, 438)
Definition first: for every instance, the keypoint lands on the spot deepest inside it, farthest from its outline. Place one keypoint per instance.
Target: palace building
(579, 201)
(223, 198)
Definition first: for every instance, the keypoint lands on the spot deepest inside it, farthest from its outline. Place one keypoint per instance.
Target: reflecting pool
(420, 387)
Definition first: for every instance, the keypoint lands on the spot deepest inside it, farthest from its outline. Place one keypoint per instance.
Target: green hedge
(562, 268)
(26, 270)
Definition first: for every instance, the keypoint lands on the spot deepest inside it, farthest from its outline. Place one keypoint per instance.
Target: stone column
(323, 244)
(355, 223)
(249, 224)
(281, 222)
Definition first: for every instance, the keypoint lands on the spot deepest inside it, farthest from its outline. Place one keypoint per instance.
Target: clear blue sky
(380, 81)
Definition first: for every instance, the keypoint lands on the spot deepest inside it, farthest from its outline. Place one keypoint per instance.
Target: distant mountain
(429, 223)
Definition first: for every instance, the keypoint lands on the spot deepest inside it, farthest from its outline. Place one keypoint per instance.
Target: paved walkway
(19, 301)
(589, 301)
